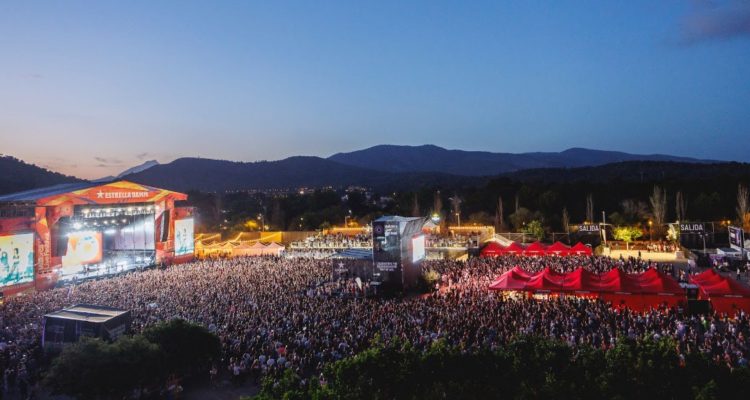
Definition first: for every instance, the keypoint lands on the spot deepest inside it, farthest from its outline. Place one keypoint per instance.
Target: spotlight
(109, 232)
(77, 225)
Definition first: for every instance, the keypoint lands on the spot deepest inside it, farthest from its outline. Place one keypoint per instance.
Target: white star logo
(99, 194)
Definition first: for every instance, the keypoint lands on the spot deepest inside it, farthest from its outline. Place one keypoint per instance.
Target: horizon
(92, 89)
(140, 163)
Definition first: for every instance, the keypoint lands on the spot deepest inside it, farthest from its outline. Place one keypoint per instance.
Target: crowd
(334, 241)
(273, 314)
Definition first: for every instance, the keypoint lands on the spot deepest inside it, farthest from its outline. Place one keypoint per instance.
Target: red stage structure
(89, 228)
(636, 291)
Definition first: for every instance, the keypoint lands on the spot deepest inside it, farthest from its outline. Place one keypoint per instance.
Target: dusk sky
(92, 88)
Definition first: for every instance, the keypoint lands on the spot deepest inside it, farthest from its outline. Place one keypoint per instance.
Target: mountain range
(430, 158)
(384, 167)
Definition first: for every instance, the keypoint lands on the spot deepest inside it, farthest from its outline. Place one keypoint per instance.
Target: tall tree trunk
(590, 208)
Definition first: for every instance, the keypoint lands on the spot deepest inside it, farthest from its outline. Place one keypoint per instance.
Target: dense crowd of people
(273, 314)
(334, 241)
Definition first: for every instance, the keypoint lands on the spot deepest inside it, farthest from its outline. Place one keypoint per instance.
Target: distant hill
(294, 172)
(635, 171)
(17, 176)
(138, 168)
(430, 158)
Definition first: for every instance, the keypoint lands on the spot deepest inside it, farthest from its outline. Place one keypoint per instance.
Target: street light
(458, 217)
(262, 220)
(650, 236)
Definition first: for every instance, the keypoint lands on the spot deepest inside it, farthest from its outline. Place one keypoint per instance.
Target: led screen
(84, 248)
(16, 259)
(417, 245)
(183, 237)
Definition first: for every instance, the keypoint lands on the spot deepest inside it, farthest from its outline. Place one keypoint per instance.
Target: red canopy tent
(581, 249)
(558, 249)
(725, 294)
(492, 249)
(514, 248)
(636, 291)
(534, 249)
(515, 279)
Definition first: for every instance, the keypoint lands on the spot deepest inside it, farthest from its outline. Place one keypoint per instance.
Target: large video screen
(184, 242)
(417, 245)
(16, 259)
(84, 248)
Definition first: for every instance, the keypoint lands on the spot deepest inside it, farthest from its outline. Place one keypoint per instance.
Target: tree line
(527, 368)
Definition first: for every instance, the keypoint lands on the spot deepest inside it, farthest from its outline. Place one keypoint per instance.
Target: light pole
(650, 235)
(262, 220)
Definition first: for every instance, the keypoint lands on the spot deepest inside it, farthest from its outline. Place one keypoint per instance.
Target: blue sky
(91, 88)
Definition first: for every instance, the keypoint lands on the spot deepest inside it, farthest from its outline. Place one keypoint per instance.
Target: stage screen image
(84, 248)
(138, 234)
(16, 259)
(184, 242)
(417, 245)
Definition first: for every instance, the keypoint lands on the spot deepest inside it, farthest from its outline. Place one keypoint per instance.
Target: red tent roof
(558, 248)
(613, 281)
(536, 248)
(515, 279)
(492, 249)
(514, 248)
(581, 248)
(714, 285)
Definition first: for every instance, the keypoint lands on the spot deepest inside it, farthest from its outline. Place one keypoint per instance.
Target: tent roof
(581, 248)
(492, 249)
(535, 248)
(514, 247)
(558, 247)
(613, 281)
(713, 284)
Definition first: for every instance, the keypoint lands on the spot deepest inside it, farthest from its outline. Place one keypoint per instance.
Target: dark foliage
(527, 368)
(94, 369)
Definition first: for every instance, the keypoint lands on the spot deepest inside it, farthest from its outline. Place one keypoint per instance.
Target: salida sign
(589, 228)
(691, 228)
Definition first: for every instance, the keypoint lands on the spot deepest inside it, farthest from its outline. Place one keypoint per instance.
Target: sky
(92, 88)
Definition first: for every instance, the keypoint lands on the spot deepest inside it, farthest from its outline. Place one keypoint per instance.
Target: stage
(89, 230)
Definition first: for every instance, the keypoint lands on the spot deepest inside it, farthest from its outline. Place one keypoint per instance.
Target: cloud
(104, 161)
(719, 20)
(143, 156)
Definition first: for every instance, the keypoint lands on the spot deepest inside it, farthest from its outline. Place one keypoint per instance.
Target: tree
(627, 234)
(186, 346)
(534, 229)
(680, 206)
(590, 208)
(634, 211)
(93, 368)
(520, 217)
(658, 202)
(456, 207)
(743, 204)
(499, 219)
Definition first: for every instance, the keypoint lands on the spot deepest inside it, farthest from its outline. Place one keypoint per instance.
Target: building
(81, 230)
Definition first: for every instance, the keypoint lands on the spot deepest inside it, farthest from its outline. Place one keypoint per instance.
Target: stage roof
(93, 193)
(87, 312)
